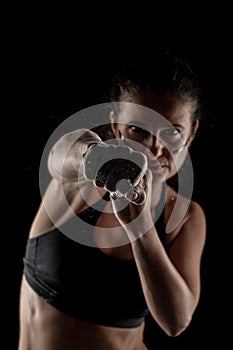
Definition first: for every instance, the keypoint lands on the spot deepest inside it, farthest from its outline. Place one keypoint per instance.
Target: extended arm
(73, 163)
(67, 154)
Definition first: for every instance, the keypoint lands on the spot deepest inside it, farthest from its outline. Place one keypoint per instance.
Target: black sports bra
(84, 282)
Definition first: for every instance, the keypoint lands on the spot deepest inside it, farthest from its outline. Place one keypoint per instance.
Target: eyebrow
(143, 126)
(178, 125)
(140, 125)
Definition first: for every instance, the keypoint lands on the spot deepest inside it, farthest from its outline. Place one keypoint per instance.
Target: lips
(156, 166)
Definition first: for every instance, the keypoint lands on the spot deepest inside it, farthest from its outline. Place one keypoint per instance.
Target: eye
(171, 137)
(136, 131)
(169, 133)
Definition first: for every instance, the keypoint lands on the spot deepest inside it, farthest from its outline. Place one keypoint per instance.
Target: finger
(119, 203)
(124, 188)
(136, 195)
(103, 173)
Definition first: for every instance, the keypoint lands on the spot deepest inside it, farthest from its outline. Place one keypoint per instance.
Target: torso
(44, 327)
(61, 331)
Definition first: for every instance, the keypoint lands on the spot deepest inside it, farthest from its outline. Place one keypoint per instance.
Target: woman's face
(158, 126)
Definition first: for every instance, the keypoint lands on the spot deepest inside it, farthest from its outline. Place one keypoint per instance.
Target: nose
(156, 147)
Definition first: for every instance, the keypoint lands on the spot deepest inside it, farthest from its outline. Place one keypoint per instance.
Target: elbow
(174, 329)
(174, 324)
(177, 321)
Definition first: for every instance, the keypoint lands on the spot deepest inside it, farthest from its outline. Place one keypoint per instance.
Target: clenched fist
(116, 168)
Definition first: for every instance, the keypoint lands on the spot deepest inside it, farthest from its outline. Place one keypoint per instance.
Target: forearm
(168, 296)
(66, 156)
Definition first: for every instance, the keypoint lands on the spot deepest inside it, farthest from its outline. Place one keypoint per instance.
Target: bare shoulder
(195, 211)
(184, 216)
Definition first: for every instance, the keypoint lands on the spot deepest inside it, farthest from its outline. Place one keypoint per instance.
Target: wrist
(138, 228)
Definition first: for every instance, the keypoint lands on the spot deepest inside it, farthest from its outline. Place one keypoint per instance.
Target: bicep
(185, 251)
(54, 206)
(61, 201)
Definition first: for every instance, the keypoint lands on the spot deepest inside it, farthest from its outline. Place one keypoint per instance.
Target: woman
(144, 250)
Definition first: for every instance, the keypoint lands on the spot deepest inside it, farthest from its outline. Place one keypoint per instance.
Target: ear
(113, 123)
(196, 126)
(192, 136)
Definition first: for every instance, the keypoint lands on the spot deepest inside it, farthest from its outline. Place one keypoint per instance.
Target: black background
(46, 78)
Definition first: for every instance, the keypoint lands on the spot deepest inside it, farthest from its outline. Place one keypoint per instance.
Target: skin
(170, 278)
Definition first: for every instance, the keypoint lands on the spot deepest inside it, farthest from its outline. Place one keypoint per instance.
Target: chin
(169, 173)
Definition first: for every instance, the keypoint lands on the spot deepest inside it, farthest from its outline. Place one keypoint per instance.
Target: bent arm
(171, 279)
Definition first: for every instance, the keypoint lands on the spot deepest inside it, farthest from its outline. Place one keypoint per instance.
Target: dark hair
(162, 73)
